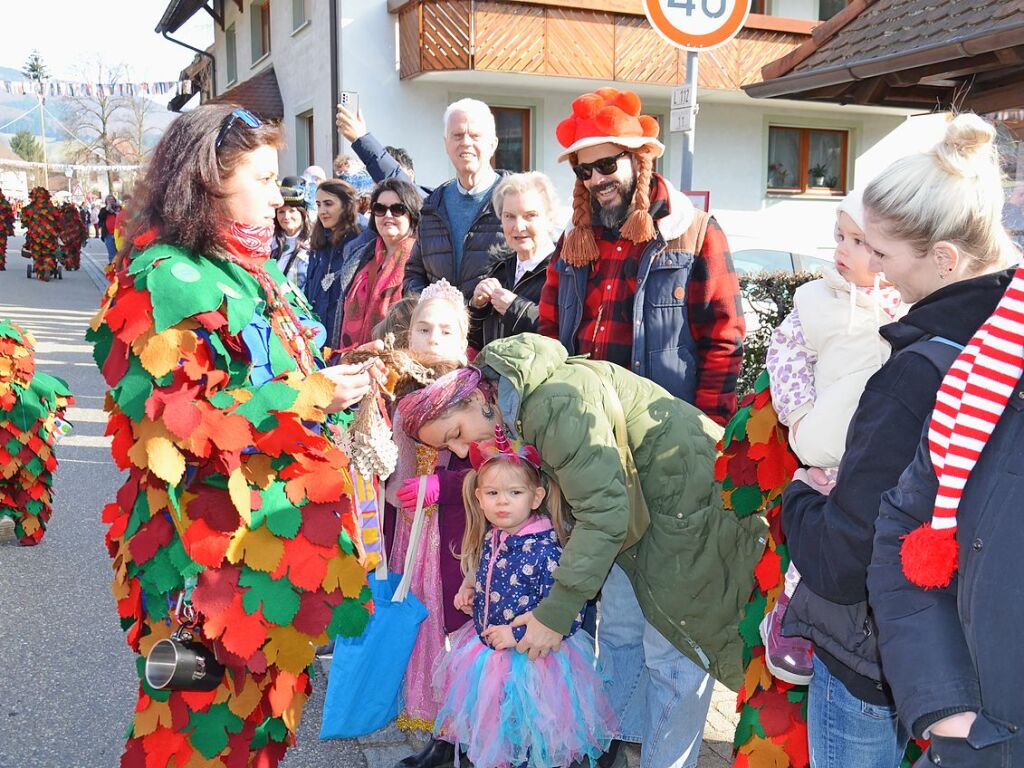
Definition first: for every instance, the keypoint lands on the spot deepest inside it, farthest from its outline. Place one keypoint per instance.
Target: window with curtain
(231, 54)
(807, 160)
(514, 148)
(260, 30)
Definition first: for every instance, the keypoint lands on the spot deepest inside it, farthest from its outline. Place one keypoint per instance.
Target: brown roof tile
(259, 94)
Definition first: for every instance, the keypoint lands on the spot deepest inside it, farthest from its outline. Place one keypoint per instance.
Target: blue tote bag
(364, 686)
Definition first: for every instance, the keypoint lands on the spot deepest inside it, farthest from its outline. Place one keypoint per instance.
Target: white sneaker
(7, 535)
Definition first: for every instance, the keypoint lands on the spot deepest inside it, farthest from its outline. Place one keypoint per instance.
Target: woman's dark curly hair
(348, 223)
(182, 196)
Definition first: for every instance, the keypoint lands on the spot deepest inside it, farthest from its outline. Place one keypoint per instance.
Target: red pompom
(628, 102)
(930, 556)
(566, 132)
(612, 121)
(587, 105)
(649, 126)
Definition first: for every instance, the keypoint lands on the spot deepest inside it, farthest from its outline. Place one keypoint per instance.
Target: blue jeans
(659, 695)
(845, 732)
(111, 247)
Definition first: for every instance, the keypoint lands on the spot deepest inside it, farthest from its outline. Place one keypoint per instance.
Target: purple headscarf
(424, 405)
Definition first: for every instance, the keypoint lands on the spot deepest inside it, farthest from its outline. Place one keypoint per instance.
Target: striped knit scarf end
(969, 404)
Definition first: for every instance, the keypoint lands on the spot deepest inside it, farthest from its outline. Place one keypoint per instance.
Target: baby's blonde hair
(952, 193)
(476, 521)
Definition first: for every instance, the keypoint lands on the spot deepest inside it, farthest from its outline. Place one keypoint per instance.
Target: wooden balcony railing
(597, 39)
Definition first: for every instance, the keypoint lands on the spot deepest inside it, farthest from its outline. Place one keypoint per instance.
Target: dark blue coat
(323, 283)
(830, 537)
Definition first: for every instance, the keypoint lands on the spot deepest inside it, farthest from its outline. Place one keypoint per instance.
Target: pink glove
(407, 493)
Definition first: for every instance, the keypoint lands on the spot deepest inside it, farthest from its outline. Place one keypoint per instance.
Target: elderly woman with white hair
(505, 302)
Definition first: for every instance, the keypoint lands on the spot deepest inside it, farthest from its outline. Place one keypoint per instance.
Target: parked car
(753, 260)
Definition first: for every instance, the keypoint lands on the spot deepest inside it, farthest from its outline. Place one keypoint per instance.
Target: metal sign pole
(690, 135)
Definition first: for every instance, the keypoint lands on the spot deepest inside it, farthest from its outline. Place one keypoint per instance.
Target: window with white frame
(300, 13)
(807, 160)
(231, 53)
(260, 21)
(304, 140)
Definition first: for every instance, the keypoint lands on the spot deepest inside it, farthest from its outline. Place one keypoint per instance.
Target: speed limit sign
(697, 25)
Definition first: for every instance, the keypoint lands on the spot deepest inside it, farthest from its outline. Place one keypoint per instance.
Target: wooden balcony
(608, 40)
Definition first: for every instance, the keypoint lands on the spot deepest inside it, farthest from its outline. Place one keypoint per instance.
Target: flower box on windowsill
(814, 193)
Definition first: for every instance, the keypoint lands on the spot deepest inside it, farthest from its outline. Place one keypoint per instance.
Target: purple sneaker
(787, 658)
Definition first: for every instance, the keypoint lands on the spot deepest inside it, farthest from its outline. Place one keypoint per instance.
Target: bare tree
(95, 120)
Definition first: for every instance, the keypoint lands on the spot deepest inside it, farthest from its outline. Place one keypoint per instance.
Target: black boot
(614, 757)
(437, 754)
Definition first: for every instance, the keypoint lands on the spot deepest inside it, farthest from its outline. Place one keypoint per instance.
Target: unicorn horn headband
(502, 448)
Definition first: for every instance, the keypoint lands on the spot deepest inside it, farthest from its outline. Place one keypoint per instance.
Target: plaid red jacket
(714, 308)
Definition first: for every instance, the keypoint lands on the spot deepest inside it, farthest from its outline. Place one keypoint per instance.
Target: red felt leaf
(742, 470)
(155, 533)
(205, 545)
(199, 700)
(120, 429)
(776, 464)
(116, 365)
(314, 614)
(130, 315)
(762, 398)
(118, 522)
(177, 407)
(211, 321)
(257, 663)
(288, 436)
(214, 506)
(305, 564)
(768, 570)
(720, 466)
(795, 745)
(776, 712)
(321, 524)
(134, 754)
(215, 589)
(241, 633)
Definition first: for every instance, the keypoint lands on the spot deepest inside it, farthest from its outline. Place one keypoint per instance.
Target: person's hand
(410, 488)
(484, 291)
(539, 640)
(350, 124)
(351, 383)
(956, 726)
(817, 481)
(371, 346)
(502, 299)
(499, 637)
(464, 598)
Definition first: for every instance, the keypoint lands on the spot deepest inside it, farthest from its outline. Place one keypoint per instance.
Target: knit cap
(853, 206)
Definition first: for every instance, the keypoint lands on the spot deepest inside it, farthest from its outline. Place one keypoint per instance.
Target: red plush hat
(608, 115)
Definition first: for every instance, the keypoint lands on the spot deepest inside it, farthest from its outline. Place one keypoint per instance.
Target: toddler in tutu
(505, 709)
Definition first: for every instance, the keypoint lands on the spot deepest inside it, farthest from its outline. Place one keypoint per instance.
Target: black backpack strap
(938, 350)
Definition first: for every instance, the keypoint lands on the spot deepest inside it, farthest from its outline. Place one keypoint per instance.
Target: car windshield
(753, 260)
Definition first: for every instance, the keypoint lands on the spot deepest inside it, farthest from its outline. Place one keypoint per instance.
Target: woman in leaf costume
(41, 220)
(73, 235)
(31, 406)
(237, 501)
(6, 228)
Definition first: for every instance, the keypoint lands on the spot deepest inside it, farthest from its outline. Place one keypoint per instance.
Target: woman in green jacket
(674, 570)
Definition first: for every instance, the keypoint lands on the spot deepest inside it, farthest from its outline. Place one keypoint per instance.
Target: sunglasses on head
(606, 166)
(239, 115)
(395, 209)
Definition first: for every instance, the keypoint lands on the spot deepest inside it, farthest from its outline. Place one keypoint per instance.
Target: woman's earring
(488, 411)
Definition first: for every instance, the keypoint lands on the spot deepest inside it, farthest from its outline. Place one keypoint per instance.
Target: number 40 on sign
(697, 25)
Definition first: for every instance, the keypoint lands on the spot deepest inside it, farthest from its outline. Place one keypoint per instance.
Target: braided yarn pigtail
(639, 226)
(579, 247)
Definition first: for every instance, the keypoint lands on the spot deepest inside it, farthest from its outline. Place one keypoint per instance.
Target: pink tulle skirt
(508, 711)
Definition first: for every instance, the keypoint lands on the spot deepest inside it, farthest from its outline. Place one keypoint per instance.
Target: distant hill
(6, 73)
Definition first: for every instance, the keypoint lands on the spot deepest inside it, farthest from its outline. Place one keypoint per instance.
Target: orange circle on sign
(732, 24)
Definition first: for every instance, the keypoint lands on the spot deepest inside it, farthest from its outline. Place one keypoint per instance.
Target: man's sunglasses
(606, 166)
(239, 115)
(395, 209)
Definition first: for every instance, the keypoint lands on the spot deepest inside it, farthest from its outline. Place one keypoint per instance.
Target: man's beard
(612, 216)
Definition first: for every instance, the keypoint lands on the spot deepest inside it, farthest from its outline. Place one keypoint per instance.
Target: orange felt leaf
(757, 674)
(165, 747)
(762, 753)
(260, 549)
(761, 425)
(345, 573)
(315, 394)
(241, 633)
(258, 470)
(150, 715)
(244, 700)
(204, 544)
(130, 315)
(316, 479)
(304, 563)
(281, 692)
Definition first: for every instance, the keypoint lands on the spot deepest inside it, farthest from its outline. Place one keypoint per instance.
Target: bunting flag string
(78, 89)
(67, 168)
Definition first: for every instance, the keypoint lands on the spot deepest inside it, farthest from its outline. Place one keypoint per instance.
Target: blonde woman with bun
(932, 221)
(945, 575)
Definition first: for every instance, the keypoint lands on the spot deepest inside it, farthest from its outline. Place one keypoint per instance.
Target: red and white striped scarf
(970, 401)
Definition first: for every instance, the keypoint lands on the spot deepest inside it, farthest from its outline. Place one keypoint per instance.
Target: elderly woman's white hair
(479, 112)
(531, 181)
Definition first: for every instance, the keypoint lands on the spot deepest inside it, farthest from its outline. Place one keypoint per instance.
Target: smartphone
(350, 101)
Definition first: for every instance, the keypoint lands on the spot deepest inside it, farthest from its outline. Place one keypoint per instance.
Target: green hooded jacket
(693, 567)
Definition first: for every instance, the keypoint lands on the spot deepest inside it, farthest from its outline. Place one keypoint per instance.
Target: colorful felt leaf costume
(42, 222)
(6, 227)
(755, 465)
(72, 235)
(31, 403)
(234, 486)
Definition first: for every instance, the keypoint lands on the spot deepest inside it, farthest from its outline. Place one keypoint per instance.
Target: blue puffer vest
(664, 350)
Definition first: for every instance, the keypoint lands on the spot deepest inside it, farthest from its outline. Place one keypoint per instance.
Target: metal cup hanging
(181, 662)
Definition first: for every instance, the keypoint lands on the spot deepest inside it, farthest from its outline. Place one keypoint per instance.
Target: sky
(70, 33)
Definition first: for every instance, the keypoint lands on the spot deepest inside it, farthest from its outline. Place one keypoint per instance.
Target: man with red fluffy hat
(641, 278)
(644, 280)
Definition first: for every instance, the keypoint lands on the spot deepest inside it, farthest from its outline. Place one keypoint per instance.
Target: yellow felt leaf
(240, 395)
(345, 573)
(157, 714)
(760, 425)
(258, 470)
(260, 549)
(245, 700)
(762, 753)
(160, 354)
(315, 394)
(30, 524)
(165, 460)
(238, 489)
(293, 714)
(289, 649)
(757, 674)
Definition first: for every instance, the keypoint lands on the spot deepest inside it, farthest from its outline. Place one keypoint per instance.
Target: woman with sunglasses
(337, 224)
(232, 520)
(372, 272)
(292, 228)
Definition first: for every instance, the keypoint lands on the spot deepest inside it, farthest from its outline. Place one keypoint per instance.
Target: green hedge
(770, 295)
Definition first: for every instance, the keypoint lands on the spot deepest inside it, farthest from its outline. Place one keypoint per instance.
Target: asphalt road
(67, 679)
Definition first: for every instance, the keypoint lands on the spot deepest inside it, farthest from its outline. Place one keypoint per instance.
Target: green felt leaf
(160, 574)
(277, 596)
(154, 693)
(210, 729)
(746, 500)
(271, 729)
(271, 396)
(797, 694)
(183, 285)
(280, 360)
(101, 340)
(133, 390)
(762, 382)
(221, 400)
(749, 625)
(749, 724)
(282, 517)
(349, 618)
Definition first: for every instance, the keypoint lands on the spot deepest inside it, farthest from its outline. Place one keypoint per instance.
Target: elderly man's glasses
(606, 166)
(239, 115)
